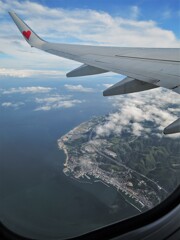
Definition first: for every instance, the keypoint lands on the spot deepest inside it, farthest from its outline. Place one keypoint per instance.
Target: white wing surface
(145, 68)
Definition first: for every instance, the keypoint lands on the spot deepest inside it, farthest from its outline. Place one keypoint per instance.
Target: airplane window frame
(119, 228)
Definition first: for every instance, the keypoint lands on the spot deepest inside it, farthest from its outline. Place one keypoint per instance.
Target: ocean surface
(36, 199)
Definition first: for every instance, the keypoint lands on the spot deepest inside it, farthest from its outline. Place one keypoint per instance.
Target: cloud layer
(48, 98)
(157, 107)
(12, 105)
(55, 102)
(25, 90)
(78, 88)
(23, 73)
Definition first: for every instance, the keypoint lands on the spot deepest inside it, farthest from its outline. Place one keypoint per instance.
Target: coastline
(88, 155)
(62, 146)
(122, 191)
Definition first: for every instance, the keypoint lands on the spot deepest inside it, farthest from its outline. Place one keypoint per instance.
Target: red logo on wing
(26, 34)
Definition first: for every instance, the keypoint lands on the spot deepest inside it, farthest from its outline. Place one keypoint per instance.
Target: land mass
(144, 170)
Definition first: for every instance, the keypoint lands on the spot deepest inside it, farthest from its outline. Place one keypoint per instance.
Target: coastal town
(90, 157)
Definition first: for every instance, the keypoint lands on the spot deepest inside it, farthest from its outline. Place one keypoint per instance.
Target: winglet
(29, 35)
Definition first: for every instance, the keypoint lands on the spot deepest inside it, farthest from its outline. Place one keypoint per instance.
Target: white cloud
(46, 103)
(159, 107)
(23, 73)
(56, 102)
(24, 90)
(52, 99)
(76, 25)
(12, 105)
(78, 88)
(135, 11)
(107, 85)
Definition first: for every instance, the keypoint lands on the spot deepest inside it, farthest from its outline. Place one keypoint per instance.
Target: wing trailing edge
(128, 85)
(85, 70)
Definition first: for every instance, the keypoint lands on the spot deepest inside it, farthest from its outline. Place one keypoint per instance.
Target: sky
(141, 23)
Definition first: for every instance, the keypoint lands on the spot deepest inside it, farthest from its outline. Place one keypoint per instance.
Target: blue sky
(141, 23)
(165, 12)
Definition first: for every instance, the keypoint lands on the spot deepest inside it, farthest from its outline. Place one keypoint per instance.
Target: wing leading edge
(145, 68)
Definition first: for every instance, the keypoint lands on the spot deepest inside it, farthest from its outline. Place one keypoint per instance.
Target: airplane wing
(145, 68)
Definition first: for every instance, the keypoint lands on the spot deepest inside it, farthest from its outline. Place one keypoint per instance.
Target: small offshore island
(137, 166)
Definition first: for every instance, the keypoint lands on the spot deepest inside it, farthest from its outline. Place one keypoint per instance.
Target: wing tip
(106, 93)
(68, 75)
(11, 13)
(29, 35)
(174, 127)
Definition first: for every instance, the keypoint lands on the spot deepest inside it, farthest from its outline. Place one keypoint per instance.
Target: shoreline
(86, 158)
(62, 146)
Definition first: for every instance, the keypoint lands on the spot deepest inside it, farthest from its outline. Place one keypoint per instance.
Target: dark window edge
(118, 228)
